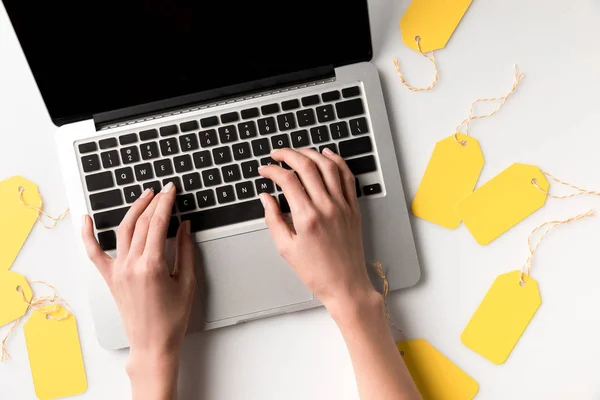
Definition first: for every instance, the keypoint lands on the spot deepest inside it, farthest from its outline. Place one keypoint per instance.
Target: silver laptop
(198, 93)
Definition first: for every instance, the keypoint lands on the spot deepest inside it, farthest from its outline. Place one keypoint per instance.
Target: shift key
(111, 218)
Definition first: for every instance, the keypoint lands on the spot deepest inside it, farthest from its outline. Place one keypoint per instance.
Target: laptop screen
(96, 56)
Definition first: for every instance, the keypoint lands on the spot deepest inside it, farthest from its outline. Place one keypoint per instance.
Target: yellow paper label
(433, 21)
(12, 304)
(16, 220)
(436, 377)
(451, 175)
(503, 202)
(54, 355)
(502, 316)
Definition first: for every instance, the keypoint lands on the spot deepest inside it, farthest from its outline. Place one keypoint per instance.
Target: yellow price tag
(14, 293)
(436, 377)
(451, 175)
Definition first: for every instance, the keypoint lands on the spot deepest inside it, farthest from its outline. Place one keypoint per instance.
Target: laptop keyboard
(213, 161)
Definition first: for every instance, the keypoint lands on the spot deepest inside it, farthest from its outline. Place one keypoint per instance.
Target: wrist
(362, 306)
(153, 375)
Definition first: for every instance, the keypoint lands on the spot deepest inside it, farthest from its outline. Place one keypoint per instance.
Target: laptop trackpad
(244, 274)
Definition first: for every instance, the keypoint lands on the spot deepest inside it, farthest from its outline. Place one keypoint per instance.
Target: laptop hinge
(210, 96)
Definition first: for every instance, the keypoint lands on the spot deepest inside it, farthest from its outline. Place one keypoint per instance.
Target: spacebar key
(222, 216)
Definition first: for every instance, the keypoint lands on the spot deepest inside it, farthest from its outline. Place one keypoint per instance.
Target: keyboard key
(228, 134)
(358, 126)
(250, 169)
(349, 108)
(264, 185)
(90, 163)
(247, 130)
(110, 159)
(88, 147)
(149, 134)
(173, 227)
(186, 202)
(188, 142)
(260, 147)
(107, 143)
(310, 100)
(103, 180)
(362, 165)
(132, 193)
(124, 176)
(290, 105)
(209, 121)
(176, 181)
(268, 161)
(168, 130)
(108, 199)
(189, 126)
(221, 155)
(128, 139)
(223, 216)
(267, 126)
(330, 96)
(319, 134)
(357, 186)
(250, 113)
(270, 109)
(231, 173)
(149, 150)
(372, 189)
(230, 117)
(280, 141)
(154, 185)
(286, 122)
(163, 167)
(183, 163)
(208, 138)
(130, 155)
(325, 113)
(306, 117)
(108, 219)
(339, 130)
(169, 147)
(225, 194)
(283, 204)
(300, 138)
(241, 151)
(206, 198)
(211, 177)
(143, 172)
(351, 91)
(202, 159)
(244, 190)
(354, 147)
(191, 181)
(107, 240)
(330, 146)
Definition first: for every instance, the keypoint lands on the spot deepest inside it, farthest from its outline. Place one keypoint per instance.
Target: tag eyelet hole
(521, 282)
(402, 353)
(21, 188)
(534, 181)
(417, 38)
(19, 288)
(464, 143)
(48, 317)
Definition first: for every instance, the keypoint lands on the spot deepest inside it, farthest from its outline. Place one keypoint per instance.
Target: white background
(552, 121)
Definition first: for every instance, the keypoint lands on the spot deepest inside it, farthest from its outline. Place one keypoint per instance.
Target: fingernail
(275, 151)
(261, 167)
(327, 151)
(167, 187)
(146, 193)
(263, 199)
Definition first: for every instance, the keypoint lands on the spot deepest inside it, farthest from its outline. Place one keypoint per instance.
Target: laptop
(198, 93)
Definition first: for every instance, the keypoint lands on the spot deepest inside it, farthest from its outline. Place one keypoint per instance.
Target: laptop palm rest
(244, 274)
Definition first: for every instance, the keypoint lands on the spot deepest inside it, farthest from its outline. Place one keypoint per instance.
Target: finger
(280, 230)
(159, 225)
(100, 259)
(306, 169)
(127, 226)
(346, 177)
(290, 185)
(184, 258)
(138, 241)
(329, 173)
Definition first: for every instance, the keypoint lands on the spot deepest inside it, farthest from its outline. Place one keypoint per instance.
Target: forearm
(380, 371)
(153, 377)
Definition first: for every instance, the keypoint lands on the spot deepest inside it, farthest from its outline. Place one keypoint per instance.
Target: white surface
(552, 121)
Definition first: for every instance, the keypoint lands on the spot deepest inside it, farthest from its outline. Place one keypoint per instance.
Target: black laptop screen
(95, 56)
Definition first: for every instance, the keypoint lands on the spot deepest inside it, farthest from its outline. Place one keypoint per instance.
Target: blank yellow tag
(433, 21)
(436, 377)
(54, 355)
(451, 175)
(16, 220)
(503, 202)
(502, 316)
(12, 305)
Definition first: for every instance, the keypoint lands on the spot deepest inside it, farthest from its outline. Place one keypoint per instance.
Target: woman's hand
(154, 301)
